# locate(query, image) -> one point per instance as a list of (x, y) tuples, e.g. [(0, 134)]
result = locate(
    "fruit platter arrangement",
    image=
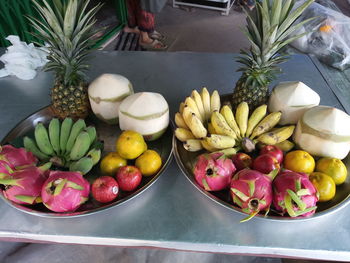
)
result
[(98, 144), (64, 168), (278, 161), (271, 152)]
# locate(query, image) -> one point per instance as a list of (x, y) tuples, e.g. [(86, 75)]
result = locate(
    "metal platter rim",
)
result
[(30, 211), (188, 175)]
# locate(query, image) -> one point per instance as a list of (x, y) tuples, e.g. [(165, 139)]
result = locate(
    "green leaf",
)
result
[(287, 6), (70, 18), (276, 12), (291, 17), (253, 26), (294, 28)]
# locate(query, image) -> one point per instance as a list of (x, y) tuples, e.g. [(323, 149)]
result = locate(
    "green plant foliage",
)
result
[(14, 22)]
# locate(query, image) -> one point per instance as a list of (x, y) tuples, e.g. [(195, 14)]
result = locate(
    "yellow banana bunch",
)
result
[(183, 134), (276, 136), (230, 119), (220, 141), (193, 145), (221, 126), (257, 115), (242, 113), (193, 120), (203, 124)]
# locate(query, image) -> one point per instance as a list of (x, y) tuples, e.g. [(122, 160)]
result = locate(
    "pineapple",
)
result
[(67, 27), (269, 27)]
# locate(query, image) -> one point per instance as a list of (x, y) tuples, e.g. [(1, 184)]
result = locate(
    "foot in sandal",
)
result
[(156, 35), (154, 45), (134, 30)]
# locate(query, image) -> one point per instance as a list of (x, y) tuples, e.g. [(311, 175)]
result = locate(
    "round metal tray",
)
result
[(186, 159), (107, 134)]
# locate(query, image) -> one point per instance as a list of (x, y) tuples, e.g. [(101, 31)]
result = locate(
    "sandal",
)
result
[(155, 45), (156, 35)]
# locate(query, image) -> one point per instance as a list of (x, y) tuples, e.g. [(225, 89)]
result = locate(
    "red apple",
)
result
[(265, 163), (274, 151), (242, 161), (128, 177), (105, 189)]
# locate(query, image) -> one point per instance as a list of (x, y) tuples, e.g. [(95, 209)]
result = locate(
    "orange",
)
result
[(335, 168), (111, 163), (324, 184), (299, 161), (149, 162), (130, 145)]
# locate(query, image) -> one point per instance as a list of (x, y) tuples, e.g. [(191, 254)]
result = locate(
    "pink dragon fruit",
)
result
[(16, 157), (252, 191), (65, 191), (5, 169), (24, 186), (214, 171), (294, 194)]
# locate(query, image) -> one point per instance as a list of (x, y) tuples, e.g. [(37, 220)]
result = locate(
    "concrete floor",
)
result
[(203, 30)]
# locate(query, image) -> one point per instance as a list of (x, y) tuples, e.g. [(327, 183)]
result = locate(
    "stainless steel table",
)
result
[(172, 214)]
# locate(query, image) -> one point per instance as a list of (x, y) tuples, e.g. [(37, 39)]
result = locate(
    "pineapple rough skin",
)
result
[(72, 101)]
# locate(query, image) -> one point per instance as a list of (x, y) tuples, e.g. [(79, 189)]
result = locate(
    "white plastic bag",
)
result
[(22, 59), (328, 36)]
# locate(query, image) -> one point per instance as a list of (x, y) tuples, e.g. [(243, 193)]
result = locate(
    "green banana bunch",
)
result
[(68, 144)]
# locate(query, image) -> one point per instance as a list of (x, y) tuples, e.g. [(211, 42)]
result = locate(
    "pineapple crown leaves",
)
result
[(67, 28), (268, 30)]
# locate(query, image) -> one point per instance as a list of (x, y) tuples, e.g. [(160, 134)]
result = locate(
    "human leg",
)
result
[(145, 22), (132, 6)]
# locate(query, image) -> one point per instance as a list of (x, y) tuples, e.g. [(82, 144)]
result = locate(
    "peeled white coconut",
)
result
[(324, 131), (146, 113), (292, 98), (106, 93)]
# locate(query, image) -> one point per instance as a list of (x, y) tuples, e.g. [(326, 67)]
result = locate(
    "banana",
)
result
[(81, 146), (198, 99), (42, 139), (183, 134), (181, 107), (257, 115), (229, 152), (95, 155), (205, 95), (226, 111), (66, 127), (215, 103), (83, 165), (54, 134), (220, 141), (192, 104), (186, 115), (77, 127), (242, 113), (179, 121), (31, 146), (208, 147), (285, 146), (276, 136), (266, 124), (91, 130), (220, 125), (193, 145), (211, 128), (197, 127)]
